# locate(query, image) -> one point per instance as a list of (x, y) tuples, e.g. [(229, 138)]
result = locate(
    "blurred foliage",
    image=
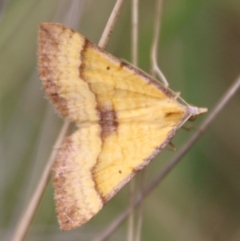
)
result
[(199, 52)]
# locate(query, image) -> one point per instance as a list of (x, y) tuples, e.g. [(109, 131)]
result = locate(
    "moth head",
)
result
[(195, 111)]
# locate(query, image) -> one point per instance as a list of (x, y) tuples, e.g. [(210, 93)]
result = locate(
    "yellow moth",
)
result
[(124, 119)]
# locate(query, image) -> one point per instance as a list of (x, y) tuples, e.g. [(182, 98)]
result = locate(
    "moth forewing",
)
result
[(124, 118)]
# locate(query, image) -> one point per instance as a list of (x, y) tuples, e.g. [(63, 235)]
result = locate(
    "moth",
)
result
[(124, 118)]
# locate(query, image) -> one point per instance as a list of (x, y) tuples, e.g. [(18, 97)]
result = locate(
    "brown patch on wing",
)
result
[(48, 49), (65, 215), (122, 64), (81, 56), (171, 115), (108, 122)]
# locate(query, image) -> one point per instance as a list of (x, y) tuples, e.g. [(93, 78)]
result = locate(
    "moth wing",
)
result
[(124, 118), (90, 170)]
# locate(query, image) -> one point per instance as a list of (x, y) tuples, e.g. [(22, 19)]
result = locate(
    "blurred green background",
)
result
[(199, 52)]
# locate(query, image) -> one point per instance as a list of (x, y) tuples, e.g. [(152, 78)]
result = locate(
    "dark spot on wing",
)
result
[(108, 122)]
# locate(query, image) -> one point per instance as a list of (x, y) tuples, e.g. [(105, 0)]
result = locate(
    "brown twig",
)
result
[(149, 188), (111, 23)]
